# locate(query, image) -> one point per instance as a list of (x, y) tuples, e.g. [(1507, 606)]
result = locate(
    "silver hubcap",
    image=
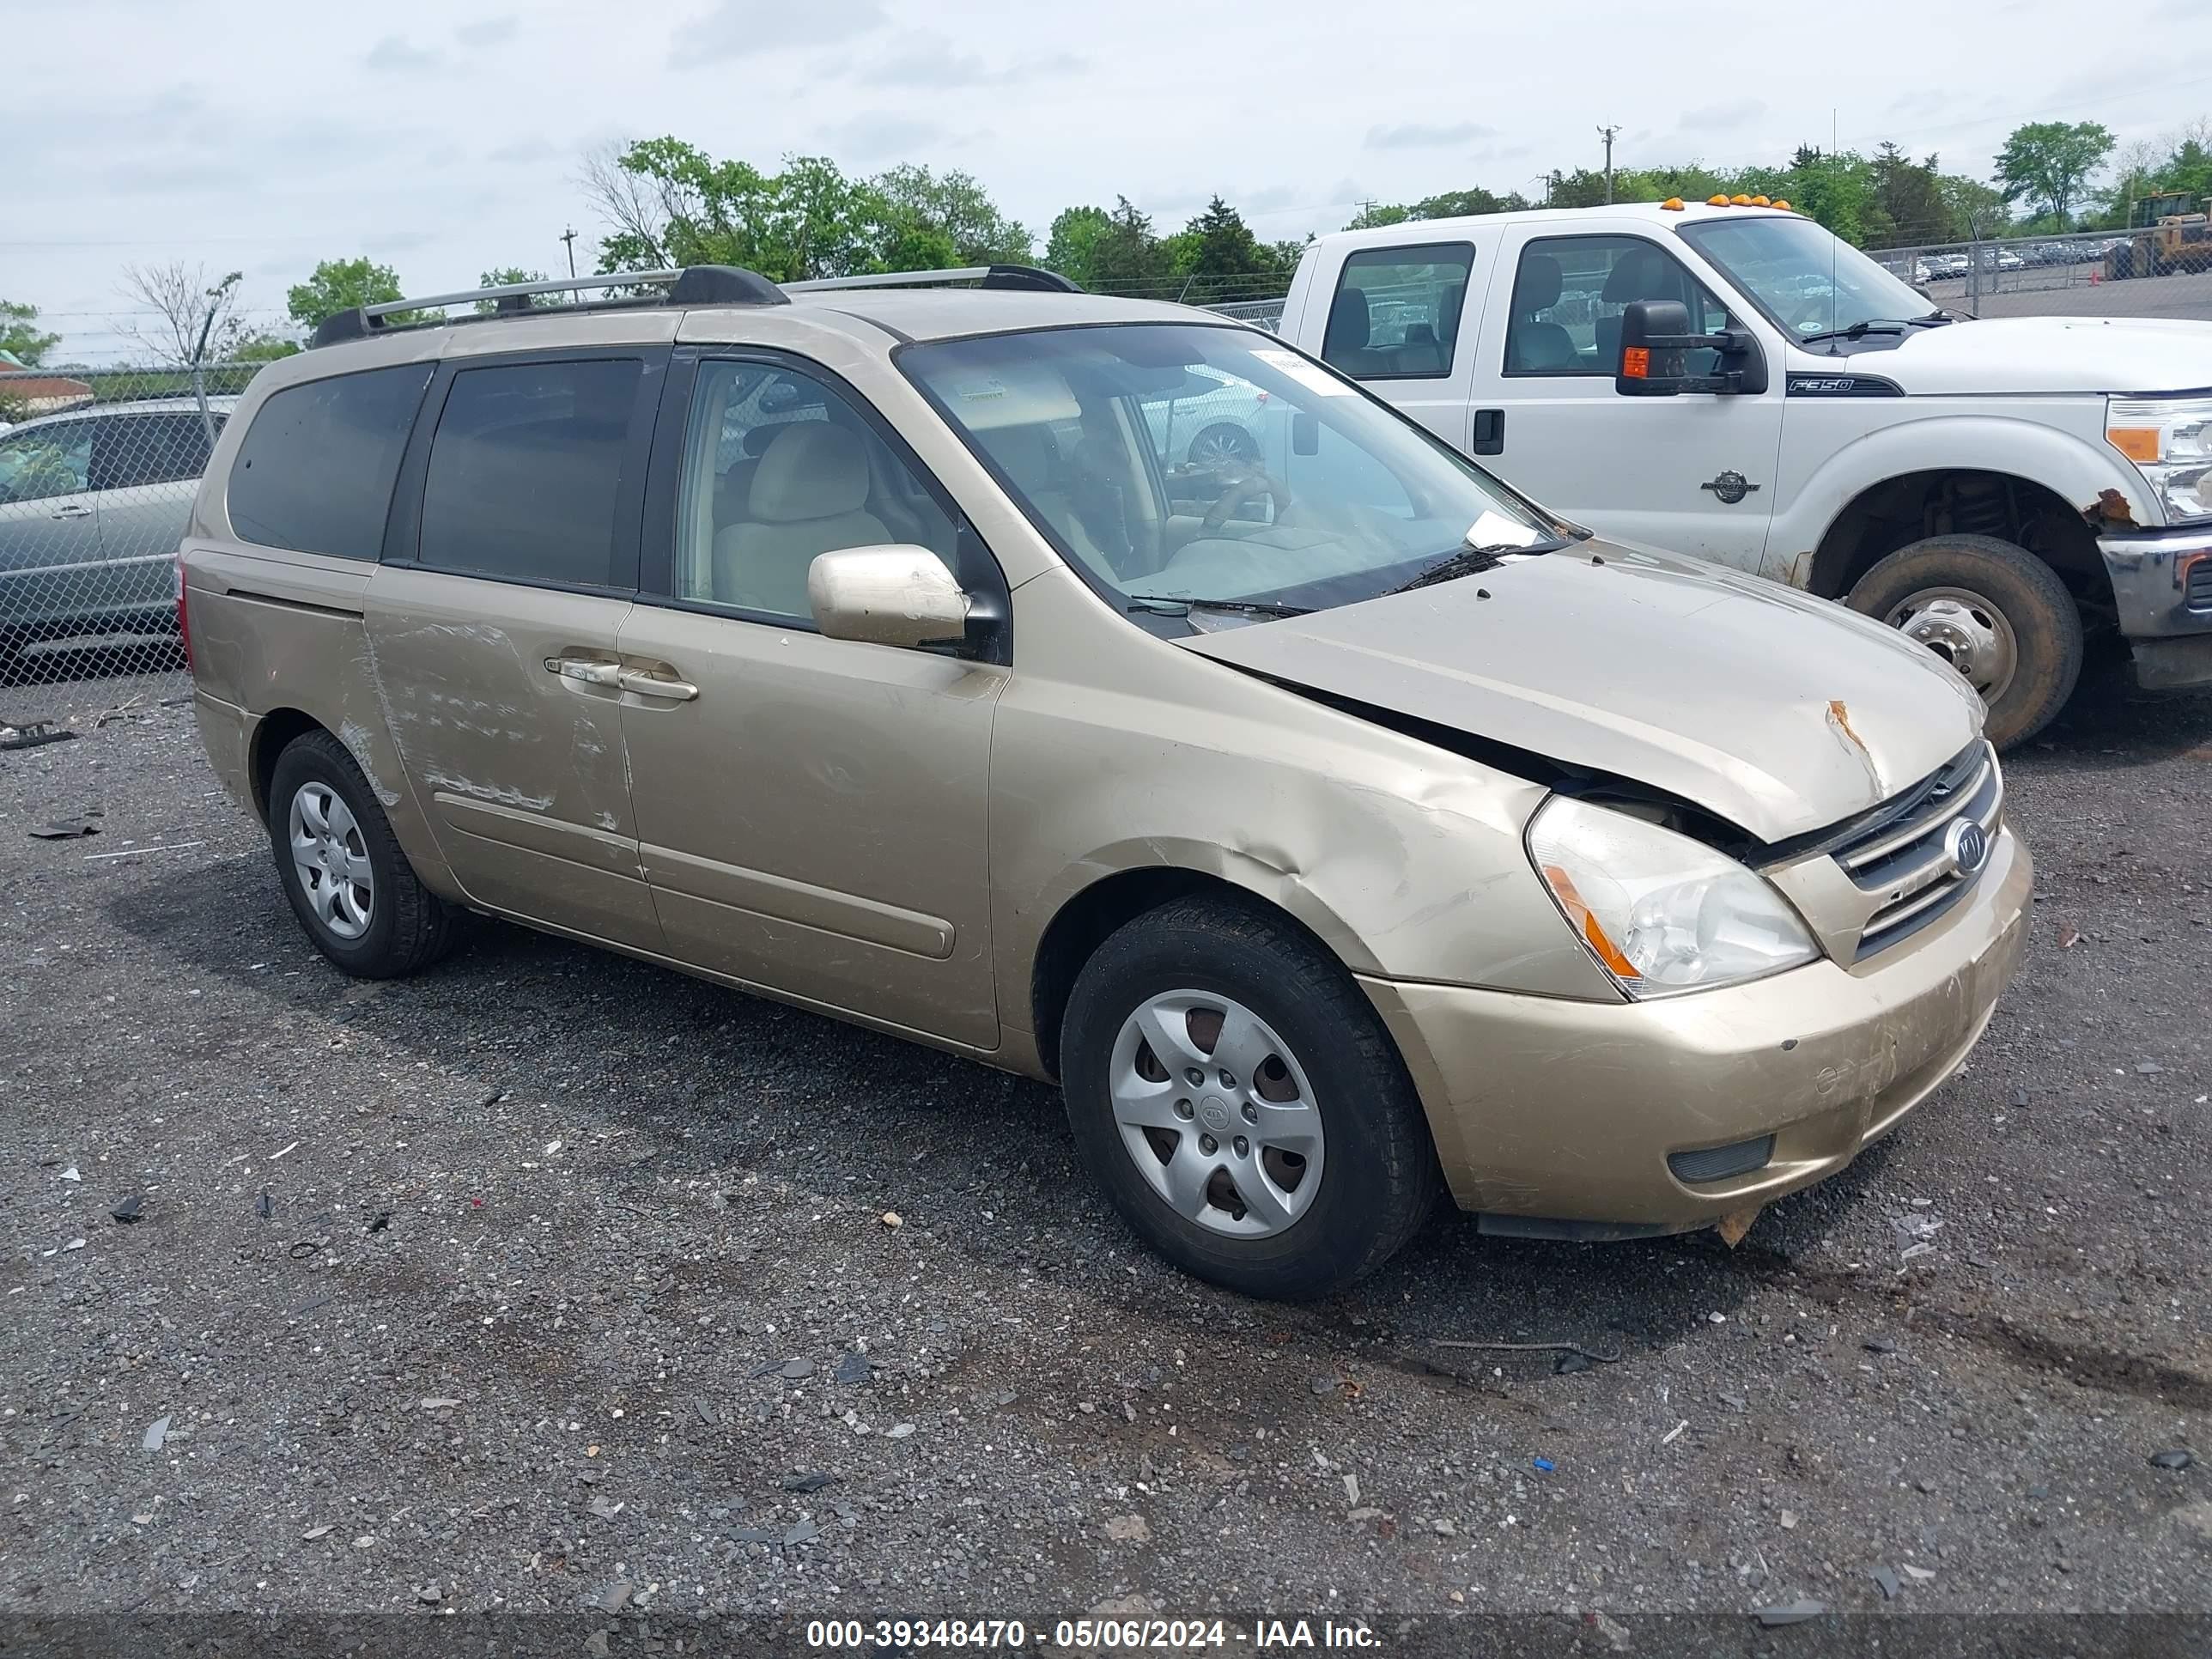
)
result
[(331, 860), (1219, 449), (1217, 1113), (1965, 629)]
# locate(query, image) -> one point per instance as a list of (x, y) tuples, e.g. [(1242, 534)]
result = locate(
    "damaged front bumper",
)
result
[(1594, 1120), (2162, 588)]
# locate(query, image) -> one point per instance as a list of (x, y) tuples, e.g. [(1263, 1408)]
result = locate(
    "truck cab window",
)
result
[(1568, 293), (1396, 310)]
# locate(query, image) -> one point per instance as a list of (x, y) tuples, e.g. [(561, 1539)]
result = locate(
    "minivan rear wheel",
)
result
[(342, 868), (1994, 612), (1241, 1102)]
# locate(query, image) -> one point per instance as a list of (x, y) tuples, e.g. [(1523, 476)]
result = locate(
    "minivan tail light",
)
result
[(184, 623)]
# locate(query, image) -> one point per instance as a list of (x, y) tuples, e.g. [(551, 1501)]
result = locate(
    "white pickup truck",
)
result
[(1987, 486)]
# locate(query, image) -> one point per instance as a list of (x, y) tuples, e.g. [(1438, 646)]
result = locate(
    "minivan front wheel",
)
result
[(1995, 612), (1241, 1104), (348, 882)]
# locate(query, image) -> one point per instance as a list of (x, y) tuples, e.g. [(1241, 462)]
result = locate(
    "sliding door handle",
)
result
[(645, 685), (589, 670)]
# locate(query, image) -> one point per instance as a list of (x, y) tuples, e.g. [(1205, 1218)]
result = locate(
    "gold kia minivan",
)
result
[(1109, 692)]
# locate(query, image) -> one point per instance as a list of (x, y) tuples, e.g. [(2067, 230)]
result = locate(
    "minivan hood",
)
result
[(2037, 354), (1779, 713)]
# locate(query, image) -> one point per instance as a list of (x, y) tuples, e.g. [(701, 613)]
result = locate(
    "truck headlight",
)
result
[(1662, 913), (2169, 441)]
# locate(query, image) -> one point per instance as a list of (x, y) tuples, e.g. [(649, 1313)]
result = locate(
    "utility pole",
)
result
[(569, 237), (1606, 133)]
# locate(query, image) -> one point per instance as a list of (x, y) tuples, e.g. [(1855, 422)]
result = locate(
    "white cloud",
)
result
[(931, 61), (1719, 117), (395, 54), (745, 28), (1416, 135), (488, 31)]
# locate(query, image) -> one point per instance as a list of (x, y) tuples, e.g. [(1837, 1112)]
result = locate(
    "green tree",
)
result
[(1976, 210), (261, 349), (506, 276), (1225, 261), (1908, 204), (1127, 258), (2050, 163), (1073, 240), (20, 335), (343, 285), (953, 203), (1376, 215)]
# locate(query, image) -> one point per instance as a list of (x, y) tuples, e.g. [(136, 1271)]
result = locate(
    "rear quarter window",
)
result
[(525, 471), (315, 470)]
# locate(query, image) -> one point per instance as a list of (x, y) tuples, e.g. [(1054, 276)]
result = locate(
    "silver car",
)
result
[(93, 503)]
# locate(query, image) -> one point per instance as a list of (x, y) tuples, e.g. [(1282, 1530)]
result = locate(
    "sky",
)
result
[(445, 139)]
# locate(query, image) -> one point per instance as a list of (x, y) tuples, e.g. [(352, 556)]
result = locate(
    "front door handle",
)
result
[(645, 685), (74, 510), (1489, 431), (589, 670)]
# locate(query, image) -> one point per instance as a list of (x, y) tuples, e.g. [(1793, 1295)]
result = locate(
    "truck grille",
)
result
[(1910, 864)]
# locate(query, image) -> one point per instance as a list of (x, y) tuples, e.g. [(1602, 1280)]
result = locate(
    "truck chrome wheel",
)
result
[(330, 858), (1216, 1114), (1965, 629)]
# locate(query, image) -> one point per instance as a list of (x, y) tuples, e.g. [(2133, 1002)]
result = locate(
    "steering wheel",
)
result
[(1247, 483)]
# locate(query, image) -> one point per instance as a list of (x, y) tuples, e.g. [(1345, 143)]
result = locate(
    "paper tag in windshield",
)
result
[(1312, 378), (1496, 529), (982, 389)]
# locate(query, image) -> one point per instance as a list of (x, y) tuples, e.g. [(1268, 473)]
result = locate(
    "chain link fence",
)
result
[(97, 471), (2161, 271)]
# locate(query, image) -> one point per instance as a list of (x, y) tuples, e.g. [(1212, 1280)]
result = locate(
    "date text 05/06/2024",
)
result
[(1094, 1635)]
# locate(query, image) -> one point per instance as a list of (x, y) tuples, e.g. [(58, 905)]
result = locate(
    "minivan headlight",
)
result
[(1662, 913), (2169, 441)]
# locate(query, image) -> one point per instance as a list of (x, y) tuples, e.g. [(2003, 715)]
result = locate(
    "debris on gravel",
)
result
[(576, 1384)]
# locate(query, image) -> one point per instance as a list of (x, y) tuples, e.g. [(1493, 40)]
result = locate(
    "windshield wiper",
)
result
[(1161, 605), (1860, 330), (1467, 561)]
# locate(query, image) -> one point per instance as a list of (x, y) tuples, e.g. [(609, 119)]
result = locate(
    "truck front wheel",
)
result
[(1995, 612)]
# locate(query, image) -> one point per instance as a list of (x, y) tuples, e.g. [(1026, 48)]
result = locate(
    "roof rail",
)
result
[(993, 277), (692, 285)]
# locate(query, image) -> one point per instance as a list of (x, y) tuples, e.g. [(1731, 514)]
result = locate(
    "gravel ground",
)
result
[(550, 1281)]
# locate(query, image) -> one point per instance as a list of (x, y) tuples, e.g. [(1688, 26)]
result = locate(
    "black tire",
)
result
[(1378, 1176), (1228, 439), (2034, 605), (408, 927)]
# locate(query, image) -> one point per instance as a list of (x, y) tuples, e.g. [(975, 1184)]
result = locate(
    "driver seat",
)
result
[(1641, 273)]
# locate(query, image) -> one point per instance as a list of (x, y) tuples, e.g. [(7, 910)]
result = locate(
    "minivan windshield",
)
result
[(1179, 464), (1807, 281)]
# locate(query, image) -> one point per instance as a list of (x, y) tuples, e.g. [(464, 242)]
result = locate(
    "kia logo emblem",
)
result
[(1967, 846)]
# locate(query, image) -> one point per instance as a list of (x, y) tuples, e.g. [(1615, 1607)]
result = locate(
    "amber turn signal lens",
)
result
[(1739, 200), (1759, 201), (1780, 204), (1586, 924), (1636, 362), (1716, 201), (2137, 443), (1672, 204)]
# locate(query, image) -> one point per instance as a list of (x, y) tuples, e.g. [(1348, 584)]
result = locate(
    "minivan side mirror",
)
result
[(899, 595), (1655, 334)]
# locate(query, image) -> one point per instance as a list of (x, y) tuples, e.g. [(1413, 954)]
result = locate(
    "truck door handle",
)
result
[(645, 685), (1489, 432), (589, 670), (74, 510)]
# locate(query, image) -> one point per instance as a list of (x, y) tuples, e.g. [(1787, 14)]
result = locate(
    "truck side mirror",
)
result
[(1654, 335), (1305, 433), (1650, 363)]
